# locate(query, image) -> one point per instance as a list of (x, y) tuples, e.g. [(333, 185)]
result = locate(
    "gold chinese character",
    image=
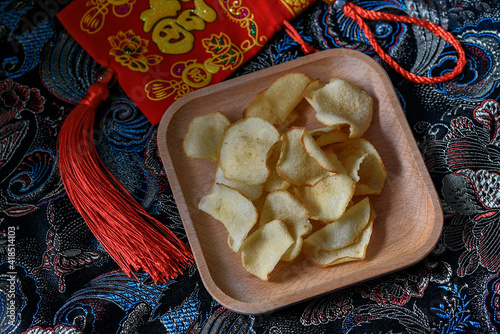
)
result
[(172, 32)]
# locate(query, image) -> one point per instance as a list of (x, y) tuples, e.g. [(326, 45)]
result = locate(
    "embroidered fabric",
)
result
[(56, 278), (162, 50)]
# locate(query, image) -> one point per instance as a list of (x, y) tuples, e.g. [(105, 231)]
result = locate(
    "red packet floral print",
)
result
[(164, 49)]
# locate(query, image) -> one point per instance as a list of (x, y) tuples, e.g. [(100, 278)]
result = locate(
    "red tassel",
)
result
[(132, 238)]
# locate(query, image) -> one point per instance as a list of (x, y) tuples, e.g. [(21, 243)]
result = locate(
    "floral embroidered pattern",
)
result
[(467, 153), (454, 311), (325, 309), (58, 329), (14, 98), (225, 54), (18, 106), (238, 13), (66, 261), (129, 50), (46, 72), (401, 287)]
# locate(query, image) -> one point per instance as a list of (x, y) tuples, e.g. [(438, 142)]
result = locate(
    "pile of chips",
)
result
[(274, 179)]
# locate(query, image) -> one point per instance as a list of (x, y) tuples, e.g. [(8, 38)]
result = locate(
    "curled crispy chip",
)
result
[(328, 198), (343, 231), (302, 162), (244, 150), (204, 134), (251, 191), (263, 249), (352, 252), (369, 170), (335, 160), (292, 117), (233, 209), (285, 93), (259, 107), (328, 135), (372, 172), (351, 158), (311, 88), (280, 204), (341, 103), (259, 202), (275, 181)]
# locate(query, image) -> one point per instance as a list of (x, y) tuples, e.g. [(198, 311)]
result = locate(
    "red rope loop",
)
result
[(358, 14)]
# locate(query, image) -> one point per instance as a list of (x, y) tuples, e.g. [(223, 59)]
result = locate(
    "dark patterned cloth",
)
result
[(56, 278)]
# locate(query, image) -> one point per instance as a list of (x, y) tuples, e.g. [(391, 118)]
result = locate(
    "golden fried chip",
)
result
[(327, 199), (292, 117), (311, 88), (329, 135), (204, 134), (280, 204), (352, 252), (344, 230), (233, 209), (251, 191), (302, 162), (315, 152), (341, 103), (335, 161), (275, 181), (371, 173), (285, 93), (244, 150), (259, 202), (259, 107), (351, 158), (263, 249)]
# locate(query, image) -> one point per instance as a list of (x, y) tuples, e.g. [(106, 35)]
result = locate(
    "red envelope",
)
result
[(164, 49)]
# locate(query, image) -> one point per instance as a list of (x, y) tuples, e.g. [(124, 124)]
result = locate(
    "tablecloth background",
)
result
[(55, 277)]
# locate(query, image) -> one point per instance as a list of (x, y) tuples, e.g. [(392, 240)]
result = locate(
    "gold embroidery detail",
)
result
[(225, 54), (172, 32), (158, 90), (196, 76), (296, 6), (93, 20), (192, 75), (130, 50), (238, 13)]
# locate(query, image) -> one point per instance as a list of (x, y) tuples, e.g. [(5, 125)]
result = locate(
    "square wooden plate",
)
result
[(409, 220)]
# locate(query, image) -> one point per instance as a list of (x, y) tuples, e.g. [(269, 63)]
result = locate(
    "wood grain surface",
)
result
[(409, 220)]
